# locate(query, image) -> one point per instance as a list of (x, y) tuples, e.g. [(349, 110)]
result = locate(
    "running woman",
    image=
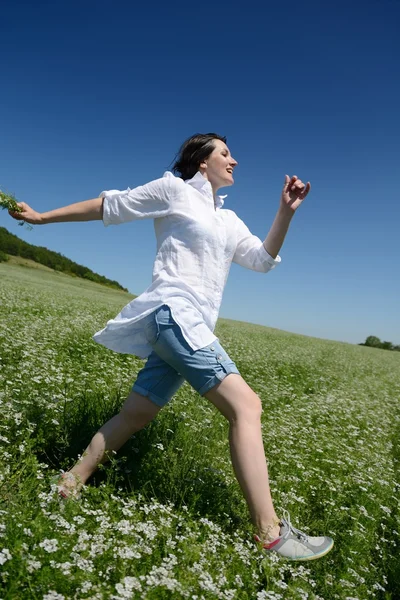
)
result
[(172, 322)]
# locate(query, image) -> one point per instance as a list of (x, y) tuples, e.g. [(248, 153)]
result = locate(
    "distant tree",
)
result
[(387, 346), (3, 257), (373, 341), (89, 275)]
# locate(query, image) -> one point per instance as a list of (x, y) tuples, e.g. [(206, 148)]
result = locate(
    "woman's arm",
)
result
[(276, 236), (293, 193), (88, 210)]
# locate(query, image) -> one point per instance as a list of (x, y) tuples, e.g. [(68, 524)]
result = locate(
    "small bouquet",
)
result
[(9, 202)]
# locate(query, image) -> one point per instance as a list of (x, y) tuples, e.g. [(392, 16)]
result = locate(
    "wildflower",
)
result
[(127, 585), (32, 565), (264, 595), (49, 545), (4, 556), (386, 510), (65, 568), (80, 520), (52, 595), (377, 586), (126, 552), (239, 581), (9, 202)]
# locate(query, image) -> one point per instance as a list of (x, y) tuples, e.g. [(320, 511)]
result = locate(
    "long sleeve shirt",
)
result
[(197, 241)]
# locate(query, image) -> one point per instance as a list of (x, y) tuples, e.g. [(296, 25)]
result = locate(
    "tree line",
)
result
[(11, 244), (375, 342)]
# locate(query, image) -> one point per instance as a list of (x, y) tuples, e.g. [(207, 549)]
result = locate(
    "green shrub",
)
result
[(3, 257)]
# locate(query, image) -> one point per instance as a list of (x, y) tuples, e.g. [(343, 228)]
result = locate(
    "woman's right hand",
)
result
[(27, 214)]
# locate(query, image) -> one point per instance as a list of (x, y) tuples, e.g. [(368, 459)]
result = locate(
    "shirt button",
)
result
[(212, 348), (219, 357)]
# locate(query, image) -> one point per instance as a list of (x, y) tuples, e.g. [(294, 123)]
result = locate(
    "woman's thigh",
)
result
[(139, 409)]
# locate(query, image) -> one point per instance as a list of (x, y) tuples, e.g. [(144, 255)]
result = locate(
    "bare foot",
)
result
[(69, 485)]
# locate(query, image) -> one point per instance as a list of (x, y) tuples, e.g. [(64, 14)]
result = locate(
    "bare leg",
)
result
[(242, 407), (136, 412)]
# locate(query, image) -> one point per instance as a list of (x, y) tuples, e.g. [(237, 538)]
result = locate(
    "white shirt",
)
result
[(197, 241)]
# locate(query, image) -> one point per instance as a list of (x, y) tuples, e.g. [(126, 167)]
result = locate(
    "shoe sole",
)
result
[(308, 558)]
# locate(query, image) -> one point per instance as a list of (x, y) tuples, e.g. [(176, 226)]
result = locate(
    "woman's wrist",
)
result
[(285, 212), (43, 219)]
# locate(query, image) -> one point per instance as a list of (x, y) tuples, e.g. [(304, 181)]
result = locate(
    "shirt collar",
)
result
[(202, 184)]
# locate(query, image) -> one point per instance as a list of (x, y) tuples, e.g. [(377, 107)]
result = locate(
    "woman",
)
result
[(172, 322)]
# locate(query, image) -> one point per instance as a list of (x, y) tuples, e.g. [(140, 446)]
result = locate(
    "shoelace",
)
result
[(300, 534)]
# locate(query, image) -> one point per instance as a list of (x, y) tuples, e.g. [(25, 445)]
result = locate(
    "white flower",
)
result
[(4, 556), (126, 552), (377, 586), (238, 581), (386, 510), (52, 595), (126, 587), (79, 520), (264, 595), (49, 545), (65, 568), (32, 565)]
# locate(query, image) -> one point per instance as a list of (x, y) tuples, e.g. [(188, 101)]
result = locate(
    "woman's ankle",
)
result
[(80, 476), (269, 531)]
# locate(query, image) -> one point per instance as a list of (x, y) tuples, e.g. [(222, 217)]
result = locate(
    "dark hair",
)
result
[(193, 151)]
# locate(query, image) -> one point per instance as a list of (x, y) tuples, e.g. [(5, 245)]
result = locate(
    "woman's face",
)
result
[(218, 167)]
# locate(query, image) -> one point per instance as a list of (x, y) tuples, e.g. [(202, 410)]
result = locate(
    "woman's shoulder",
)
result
[(172, 182), (172, 179)]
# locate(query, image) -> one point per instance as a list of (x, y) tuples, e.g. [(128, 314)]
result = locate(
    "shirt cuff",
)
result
[(106, 208), (272, 261)]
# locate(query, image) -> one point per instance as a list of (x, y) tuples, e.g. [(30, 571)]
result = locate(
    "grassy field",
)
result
[(166, 518)]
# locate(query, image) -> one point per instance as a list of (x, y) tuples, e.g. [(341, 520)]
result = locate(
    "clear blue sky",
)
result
[(99, 95)]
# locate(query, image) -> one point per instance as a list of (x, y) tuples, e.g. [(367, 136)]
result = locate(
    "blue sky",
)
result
[(100, 95)]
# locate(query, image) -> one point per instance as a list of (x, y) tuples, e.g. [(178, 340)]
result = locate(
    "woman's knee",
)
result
[(250, 411), (235, 399), (139, 409)]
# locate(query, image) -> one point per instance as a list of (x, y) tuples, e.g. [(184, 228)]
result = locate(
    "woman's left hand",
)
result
[(293, 193)]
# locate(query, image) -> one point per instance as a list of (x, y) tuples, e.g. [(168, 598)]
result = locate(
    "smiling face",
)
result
[(218, 167)]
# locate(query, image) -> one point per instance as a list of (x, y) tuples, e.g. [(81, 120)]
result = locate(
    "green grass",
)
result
[(166, 519)]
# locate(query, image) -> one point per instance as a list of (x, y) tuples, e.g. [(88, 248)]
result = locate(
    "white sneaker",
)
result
[(296, 545)]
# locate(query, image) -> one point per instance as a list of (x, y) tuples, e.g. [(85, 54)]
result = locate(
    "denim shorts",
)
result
[(173, 361)]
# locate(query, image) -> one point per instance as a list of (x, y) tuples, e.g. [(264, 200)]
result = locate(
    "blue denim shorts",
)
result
[(173, 361)]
